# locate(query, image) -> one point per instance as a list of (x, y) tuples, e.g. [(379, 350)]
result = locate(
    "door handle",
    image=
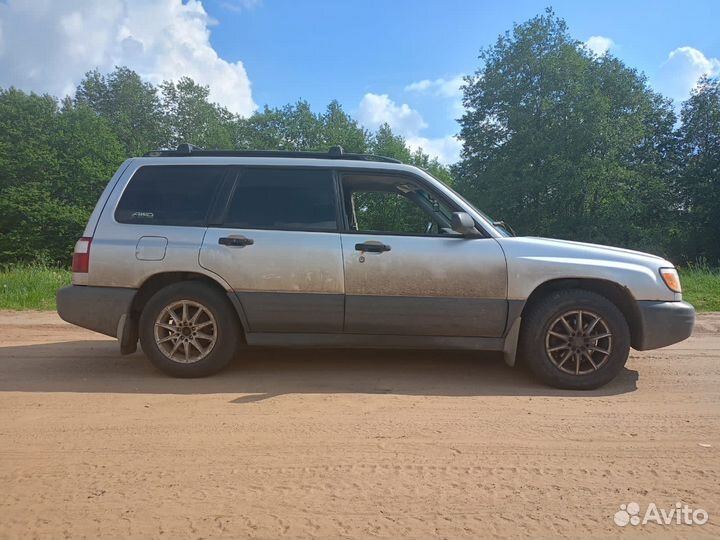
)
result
[(235, 241), (372, 247)]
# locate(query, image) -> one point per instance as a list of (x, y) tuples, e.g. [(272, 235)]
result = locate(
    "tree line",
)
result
[(556, 141)]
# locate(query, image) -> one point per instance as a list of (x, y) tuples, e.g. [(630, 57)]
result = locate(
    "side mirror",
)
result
[(462, 223)]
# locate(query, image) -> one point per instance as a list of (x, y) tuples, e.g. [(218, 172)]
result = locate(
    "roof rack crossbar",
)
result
[(336, 152)]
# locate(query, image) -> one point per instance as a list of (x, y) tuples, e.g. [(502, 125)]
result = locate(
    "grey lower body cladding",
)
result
[(425, 316), (299, 312), (664, 323), (96, 308)]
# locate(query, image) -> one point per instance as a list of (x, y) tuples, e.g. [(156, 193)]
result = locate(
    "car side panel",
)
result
[(116, 262), (534, 261), (117, 253), (287, 281), (440, 286)]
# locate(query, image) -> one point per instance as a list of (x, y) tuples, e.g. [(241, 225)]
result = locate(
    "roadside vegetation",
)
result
[(701, 287), (33, 286)]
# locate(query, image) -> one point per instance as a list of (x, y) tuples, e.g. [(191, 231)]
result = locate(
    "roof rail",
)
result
[(335, 152)]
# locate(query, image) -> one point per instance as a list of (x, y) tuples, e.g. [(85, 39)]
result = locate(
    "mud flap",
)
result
[(127, 334), (511, 343)]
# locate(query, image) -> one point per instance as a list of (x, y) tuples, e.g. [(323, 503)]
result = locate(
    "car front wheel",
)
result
[(575, 339)]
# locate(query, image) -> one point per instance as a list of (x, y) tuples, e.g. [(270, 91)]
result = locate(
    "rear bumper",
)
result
[(96, 308), (664, 323)]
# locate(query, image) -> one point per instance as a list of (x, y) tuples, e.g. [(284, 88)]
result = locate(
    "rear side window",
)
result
[(170, 195), (283, 199)]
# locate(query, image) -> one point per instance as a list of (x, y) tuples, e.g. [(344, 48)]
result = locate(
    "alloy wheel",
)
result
[(578, 342), (185, 331)]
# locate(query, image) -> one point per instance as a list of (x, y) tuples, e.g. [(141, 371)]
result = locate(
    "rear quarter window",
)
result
[(178, 195)]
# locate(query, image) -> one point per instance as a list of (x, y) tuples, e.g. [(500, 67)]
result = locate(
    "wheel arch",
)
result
[(614, 292), (155, 283)]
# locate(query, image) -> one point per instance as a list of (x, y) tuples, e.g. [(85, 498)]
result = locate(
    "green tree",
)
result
[(27, 132), (130, 106), (88, 154), (700, 179), (190, 117), (37, 226), (293, 127), (563, 143), (386, 143), (261, 131), (53, 166), (338, 128)]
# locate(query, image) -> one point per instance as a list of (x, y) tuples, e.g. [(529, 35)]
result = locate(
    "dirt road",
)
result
[(290, 444)]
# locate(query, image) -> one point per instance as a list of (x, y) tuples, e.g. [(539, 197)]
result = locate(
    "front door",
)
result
[(407, 272), (278, 247)]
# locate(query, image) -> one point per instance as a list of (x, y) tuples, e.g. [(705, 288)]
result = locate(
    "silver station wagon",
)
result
[(195, 253)]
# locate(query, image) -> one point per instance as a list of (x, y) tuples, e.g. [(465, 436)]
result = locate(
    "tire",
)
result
[(546, 341), (207, 344)]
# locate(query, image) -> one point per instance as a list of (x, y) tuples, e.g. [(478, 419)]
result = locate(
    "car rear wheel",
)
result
[(189, 329), (575, 339)]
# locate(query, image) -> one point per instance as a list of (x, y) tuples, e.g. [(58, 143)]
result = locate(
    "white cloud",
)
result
[(241, 5), (377, 109), (47, 46), (599, 45), (419, 86), (443, 88), (680, 72), (448, 88), (445, 149)]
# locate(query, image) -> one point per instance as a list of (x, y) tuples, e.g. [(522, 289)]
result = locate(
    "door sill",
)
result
[(373, 341)]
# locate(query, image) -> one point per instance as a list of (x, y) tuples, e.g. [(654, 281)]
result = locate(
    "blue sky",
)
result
[(322, 50), (397, 61)]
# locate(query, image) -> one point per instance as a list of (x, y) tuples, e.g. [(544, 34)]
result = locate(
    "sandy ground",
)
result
[(308, 444)]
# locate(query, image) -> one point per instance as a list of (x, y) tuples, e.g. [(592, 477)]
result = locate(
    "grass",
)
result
[(34, 286), (31, 286), (701, 287)]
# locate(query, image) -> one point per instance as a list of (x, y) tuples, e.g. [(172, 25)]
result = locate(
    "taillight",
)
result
[(81, 256)]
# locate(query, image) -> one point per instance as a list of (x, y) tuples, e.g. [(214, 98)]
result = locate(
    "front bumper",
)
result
[(97, 308), (664, 323)]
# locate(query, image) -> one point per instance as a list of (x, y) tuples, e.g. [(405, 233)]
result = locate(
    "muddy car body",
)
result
[(195, 252)]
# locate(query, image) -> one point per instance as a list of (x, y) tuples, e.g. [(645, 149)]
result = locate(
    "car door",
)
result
[(406, 272), (278, 246)]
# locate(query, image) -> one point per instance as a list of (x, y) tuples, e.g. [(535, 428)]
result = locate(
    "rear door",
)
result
[(278, 246), (407, 272)]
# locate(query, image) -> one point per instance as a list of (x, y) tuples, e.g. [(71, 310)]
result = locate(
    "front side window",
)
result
[(388, 212), (289, 199), (393, 204), (170, 195)]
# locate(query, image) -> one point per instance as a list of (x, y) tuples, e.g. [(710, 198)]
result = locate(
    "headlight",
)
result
[(671, 279)]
